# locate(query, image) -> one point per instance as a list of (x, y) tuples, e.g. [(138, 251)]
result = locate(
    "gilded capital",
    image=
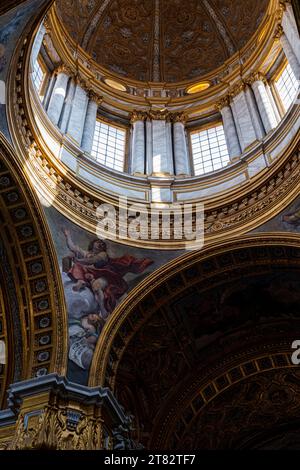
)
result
[(178, 117), (63, 68), (223, 102), (237, 89), (93, 96), (137, 115), (159, 115), (279, 32), (256, 77)]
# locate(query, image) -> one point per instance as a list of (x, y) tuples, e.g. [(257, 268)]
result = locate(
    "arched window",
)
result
[(109, 145), (209, 149), (287, 86)]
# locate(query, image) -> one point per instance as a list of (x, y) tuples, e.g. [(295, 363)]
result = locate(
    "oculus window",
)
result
[(209, 150), (109, 145), (287, 86)]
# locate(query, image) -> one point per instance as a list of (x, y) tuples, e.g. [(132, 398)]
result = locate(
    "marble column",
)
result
[(290, 29), (170, 151), (289, 52), (90, 121), (181, 155), (230, 131), (58, 95), (49, 91), (138, 154), (161, 156), (254, 112), (149, 147), (78, 112), (38, 43), (63, 124), (242, 117), (258, 84)]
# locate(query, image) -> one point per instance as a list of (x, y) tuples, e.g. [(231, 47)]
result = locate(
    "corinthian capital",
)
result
[(223, 102), (138, 115), (178, 117), (256, 77), (159, 115), (63, 68), (93, 96), (237, 89)]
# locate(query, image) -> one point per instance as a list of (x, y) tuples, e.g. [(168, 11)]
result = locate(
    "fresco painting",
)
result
[(97, 276)]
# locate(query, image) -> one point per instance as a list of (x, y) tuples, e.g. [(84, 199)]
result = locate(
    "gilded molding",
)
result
[(279, 32), (52, 430)]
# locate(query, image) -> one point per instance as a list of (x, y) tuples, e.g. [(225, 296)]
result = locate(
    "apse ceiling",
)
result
[(161, 40)]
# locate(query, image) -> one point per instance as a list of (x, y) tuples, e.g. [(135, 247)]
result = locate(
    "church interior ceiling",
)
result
[(195, 346), (209, 333), (160, 33)]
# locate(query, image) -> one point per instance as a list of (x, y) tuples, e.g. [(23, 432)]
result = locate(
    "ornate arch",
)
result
[(34, 314), (149, 341)]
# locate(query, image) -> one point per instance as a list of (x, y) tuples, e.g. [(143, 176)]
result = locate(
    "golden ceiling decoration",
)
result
[(161, 40)]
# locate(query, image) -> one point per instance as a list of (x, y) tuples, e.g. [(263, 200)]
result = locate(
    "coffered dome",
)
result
[(161, 40)]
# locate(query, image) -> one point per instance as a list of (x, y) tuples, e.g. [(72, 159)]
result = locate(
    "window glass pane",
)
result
[(209, 150), (38, 76), (287, 87), (109, 146)]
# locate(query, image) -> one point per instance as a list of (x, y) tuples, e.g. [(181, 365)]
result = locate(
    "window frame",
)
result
[(197, 130), (117, 126), (279, 102), (43, 88)]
